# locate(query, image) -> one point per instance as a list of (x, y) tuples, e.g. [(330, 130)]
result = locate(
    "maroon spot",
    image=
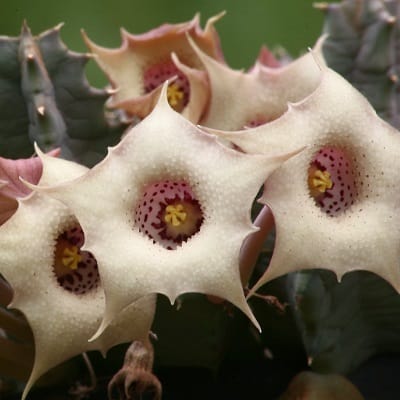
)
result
[(150, 219), (344, 189), (75, 280)]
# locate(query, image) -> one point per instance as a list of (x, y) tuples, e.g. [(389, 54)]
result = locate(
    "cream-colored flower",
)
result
[(167, 211), (56, 284), (247, 99), (144, 62), (335, 205)]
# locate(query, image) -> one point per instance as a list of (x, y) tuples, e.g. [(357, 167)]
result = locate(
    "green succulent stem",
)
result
[(46, 125), (47, 99), (362, 45)]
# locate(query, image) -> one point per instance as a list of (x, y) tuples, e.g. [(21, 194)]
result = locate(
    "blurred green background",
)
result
[(294, 24)]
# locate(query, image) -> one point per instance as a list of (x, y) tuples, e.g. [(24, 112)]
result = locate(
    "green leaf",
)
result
[(362, 45)]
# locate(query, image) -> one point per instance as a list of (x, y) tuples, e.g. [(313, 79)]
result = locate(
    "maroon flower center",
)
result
[(76, 270), (331, 180), (168, 213), (178, 90)]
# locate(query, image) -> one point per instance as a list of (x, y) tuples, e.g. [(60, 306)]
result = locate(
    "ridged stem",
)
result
[(253, 244)]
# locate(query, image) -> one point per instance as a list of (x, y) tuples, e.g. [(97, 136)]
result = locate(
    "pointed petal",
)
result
[(10, 170), (11, 186), (143, 62), (142, 106), (334, 121), (166, 149), (241, 99), (198, 83), (61, 321)]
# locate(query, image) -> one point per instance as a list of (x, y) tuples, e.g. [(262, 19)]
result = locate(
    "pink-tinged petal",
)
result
[(143, 63), (11, 187), (208, 38), (247, 99), (30, 169), (172, 210), (185, 80), (267, 58), (198, 84), (335, 205), (56, 282)]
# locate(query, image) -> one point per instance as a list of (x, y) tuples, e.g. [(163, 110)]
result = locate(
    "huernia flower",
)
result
[(335, 205), (55, 282), (247, 99), (172, 209), (144, 62)]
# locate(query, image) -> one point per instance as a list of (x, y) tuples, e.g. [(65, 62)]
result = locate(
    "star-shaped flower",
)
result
[(144, 62), (167, 211), (248, 99), (56, 284), (335, 205)]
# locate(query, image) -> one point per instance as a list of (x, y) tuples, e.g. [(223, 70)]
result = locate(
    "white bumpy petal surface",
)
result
[(61, 321), (165, 146), (245, 99), (365, 235)]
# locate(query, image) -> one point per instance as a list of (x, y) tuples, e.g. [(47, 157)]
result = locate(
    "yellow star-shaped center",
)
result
[(71, 257), (320, 181), (175, 95), (175, 214)]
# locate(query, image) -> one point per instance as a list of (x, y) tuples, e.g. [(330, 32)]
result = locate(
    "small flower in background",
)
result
[(144, 62), (171, 212), (248, 99), (335, 204), (55, 281)]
